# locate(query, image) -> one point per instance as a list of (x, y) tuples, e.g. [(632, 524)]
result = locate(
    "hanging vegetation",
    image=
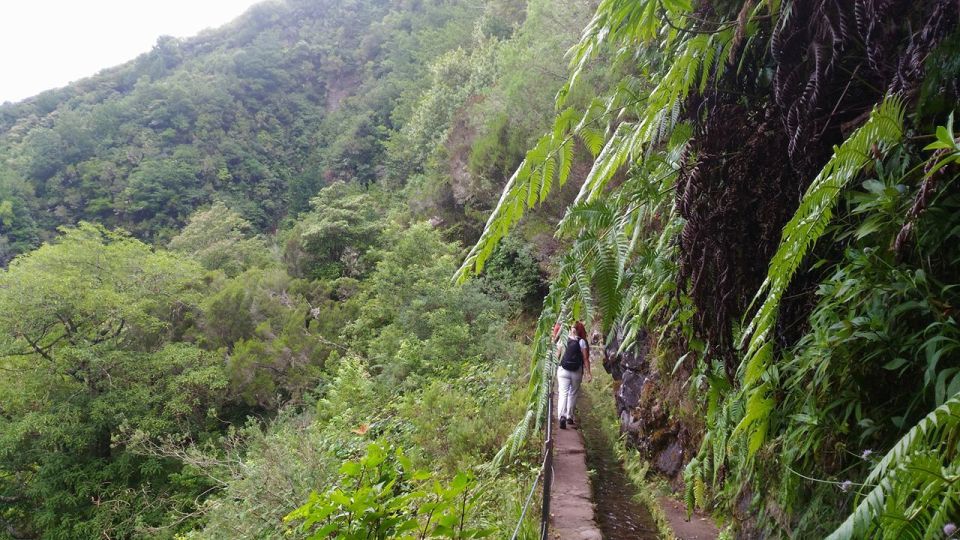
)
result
[(762, 208)]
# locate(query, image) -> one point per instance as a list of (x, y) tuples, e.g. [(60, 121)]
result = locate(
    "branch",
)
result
[(106, 336), (71, 328), (44, 352)]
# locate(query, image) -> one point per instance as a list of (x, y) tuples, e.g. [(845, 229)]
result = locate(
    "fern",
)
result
[(916, 486), (625, 21), (614, 154), (541, 366), (700, 492), (530, 184), (689, 495), (621, 265), (882, 130), (514, 441)]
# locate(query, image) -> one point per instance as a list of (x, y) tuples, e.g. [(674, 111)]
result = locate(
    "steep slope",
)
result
[(268, 322), (258, 114)]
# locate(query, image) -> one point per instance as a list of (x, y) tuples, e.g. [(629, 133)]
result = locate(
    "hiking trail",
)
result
[(572, 508), (593, 499)]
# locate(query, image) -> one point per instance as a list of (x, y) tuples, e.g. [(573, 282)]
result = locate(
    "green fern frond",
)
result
[(882, 130), (613, 155), (625, 22), (582, 294), (541, 366), (608, 278), (593, 216), (514, 441), (546, 179), (921, 469), (536, 186), (689, 497), (755, 422), (592, 139), (566, 162), (700, 492)]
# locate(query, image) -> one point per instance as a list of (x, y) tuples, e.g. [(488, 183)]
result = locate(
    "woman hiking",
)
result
[(574, 361)]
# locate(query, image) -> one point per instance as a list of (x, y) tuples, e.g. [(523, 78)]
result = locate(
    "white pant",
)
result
[(568, 385)]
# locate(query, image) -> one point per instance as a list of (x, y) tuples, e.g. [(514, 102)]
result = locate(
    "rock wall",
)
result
[(640, 395)]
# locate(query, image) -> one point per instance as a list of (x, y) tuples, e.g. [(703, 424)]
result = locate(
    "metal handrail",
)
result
[(547, 465), (546, 470), (526, 505)]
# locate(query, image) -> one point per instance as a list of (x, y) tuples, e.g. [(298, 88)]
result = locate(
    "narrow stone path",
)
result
[(575, 516), (571, 504)]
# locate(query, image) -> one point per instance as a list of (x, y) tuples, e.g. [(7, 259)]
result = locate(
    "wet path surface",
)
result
[(572, 512), (618, 515)]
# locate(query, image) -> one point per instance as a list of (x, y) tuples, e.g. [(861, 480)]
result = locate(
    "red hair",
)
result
[(581, 330)]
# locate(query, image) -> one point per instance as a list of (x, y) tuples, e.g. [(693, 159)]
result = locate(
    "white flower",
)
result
[(845, 486)]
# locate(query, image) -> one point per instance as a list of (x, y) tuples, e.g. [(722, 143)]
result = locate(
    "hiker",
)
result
[(574, 361)]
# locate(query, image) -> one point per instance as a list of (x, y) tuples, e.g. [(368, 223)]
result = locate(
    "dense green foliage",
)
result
[(383, 496), (768, 222), (227, 273), (259, 114), (127, 366), (226, 308), (87, 350)]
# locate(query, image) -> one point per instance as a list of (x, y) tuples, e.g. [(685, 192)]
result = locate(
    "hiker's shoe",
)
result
[(570, 421), (563, 423)]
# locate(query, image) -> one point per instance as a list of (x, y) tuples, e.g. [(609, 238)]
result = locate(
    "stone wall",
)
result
[(643, 411)]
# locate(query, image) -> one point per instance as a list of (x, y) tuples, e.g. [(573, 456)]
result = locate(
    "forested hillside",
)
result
[(228, 272), (263, 112), (238, 297)]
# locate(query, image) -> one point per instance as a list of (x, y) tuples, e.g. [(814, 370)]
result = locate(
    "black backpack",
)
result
[(572, 357)]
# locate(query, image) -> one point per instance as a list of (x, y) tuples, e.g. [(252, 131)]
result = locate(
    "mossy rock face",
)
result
[(670, 460), (640, 395), (631, 388)]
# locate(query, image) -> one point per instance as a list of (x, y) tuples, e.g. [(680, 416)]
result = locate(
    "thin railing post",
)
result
[(547, 467)]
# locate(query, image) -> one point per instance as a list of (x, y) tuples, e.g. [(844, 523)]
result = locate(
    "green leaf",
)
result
[(895, 364), (351, 468)]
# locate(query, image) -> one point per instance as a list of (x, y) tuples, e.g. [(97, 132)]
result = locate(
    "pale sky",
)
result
[(48, 43)]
